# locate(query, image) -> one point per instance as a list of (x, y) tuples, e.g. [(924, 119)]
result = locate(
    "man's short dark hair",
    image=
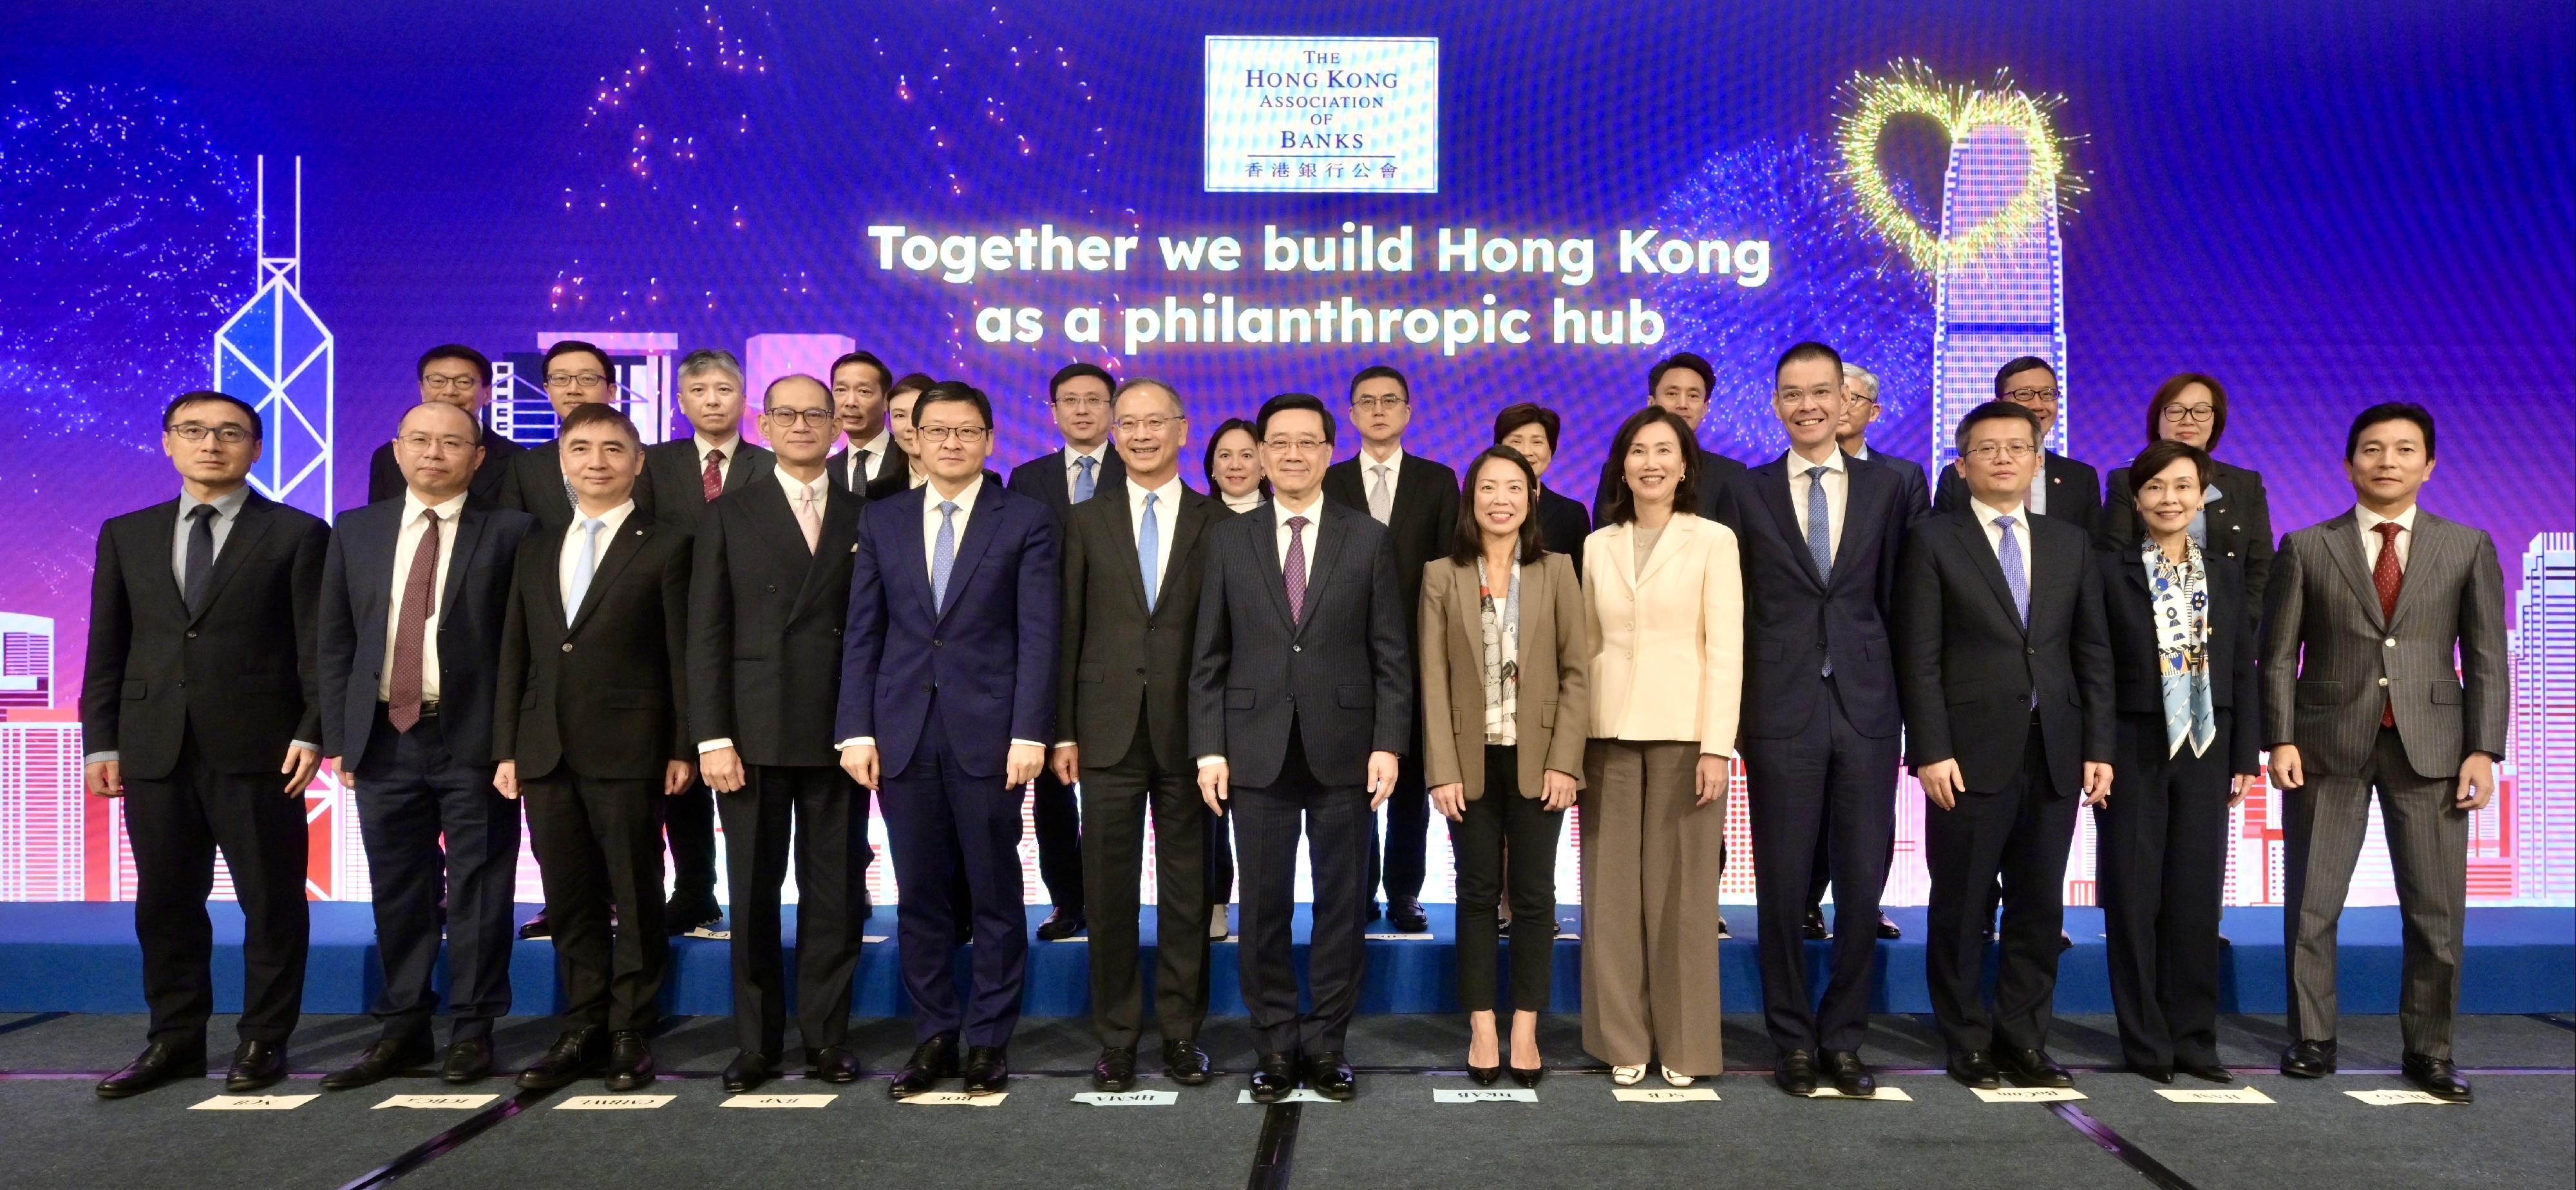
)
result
[(1807, 351), (1528, 413), (1285, 402), (1380, 372), (910, 382), (953, 390), (885, 375), (2018, 365), (1689, 361), (170, 412), (2389, 411), (1076, 371), (607, 367), (1994, 411), (2163, 453), (601, 412), (482, 365)]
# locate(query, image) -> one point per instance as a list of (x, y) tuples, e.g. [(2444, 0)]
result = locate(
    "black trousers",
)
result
[(1826, 781), (1115, 801), (2163, 867), (1056, 816), (689, 821), (826, 815), (599, 847), (1335, 820), (1506, 845), (436, 830), (176, 825), (2020, 833), (1399, 862), (942, 821)]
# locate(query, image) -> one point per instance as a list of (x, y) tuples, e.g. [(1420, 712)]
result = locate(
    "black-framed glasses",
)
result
[(940, 435), (2031, 396), (1987, 451), (1380, 401), (451, 442), (818, 418), (2197, 414), (1145, 425), (576, 379)]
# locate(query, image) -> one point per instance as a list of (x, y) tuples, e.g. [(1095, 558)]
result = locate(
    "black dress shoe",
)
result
[(1975, 1069), (256, 1064), (536, 928), (748, 1070), (468, 1060), (1796, 1072), (1722, 931), (2154, 1074), (1814, 926), (160, 1062), (832, 1064), (2437, 1077), (1851, 1076), (1116, 1069), (2208, 1072), (578, 1052), (1273, 1078), (1407, 917), (630, 1061), (932, 1061), (689, 917), (1887, 928), (1185, 1062), (2065, 941), (383, 1060), (1329, 1076), (988, 1069), (1063, 924), (2033, 1068), (2309, 1059)]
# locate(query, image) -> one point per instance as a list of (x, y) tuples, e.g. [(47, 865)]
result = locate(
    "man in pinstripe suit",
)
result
[(2366, 613)]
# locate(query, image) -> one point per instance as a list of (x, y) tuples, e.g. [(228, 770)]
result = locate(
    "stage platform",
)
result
[(82, 957)]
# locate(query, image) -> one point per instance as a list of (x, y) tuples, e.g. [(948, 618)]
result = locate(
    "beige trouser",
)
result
[(1650, 870)]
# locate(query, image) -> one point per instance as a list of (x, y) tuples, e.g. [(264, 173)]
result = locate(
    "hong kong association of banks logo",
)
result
[(1323, 114)]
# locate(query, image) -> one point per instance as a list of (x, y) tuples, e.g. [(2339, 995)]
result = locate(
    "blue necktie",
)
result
[(1082, 483), (943, 556), (1820, 537), (1149, 541), (584, 566), (2009, 552)]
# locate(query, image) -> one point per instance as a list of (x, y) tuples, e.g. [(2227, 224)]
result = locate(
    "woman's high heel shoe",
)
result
[(1529, 1078), (1627, 1076), (1676, 1077), (1485, 1076)]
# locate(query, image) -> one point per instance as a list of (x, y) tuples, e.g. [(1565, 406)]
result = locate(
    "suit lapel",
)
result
[(748, 463), (612, 562), (469, 530), (1666, 546), (1773, 483), (1126, 539), (1192, 521), (2427, 556), (982, 526), (2342, 543), (249, 525), (1860, 502), (1273, 568), (1327, 554), (1971, 535)]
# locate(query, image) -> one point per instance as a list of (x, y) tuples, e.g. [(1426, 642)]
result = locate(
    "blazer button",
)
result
[(937, 643), (192, 635), (773, 588), (2032, 652), (2391, 642), (2383, 681), (567, 646), (1296, 648)]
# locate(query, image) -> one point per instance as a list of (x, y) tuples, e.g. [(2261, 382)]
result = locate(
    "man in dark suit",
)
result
[(860, 384), (591, 659), (1679, 384), (2361, 693), (1563, 522), (680, 479), (1301, 691), (215, 588), (1417, 500), (2061, 487), (2005, 670), (451, 374), (1078, 396), (1132, 563), (414, 593), (948, 693), (575, 373), (1819, 533), (769, 589)]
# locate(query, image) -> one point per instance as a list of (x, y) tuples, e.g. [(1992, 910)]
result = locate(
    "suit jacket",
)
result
[(606, 696), (1715, 470), (249, 653), (987, 658), (385, 480), (1045, 480), (766, 622), (894, 463), (1342, 676), (1424, 517), (1120, 660), (2074, 491), (2329, 657), (674, 477), (359, 590), (1563, 523), (1968, 669), (1916, 492), (2128, 613), (2239, 524), (1668, 641), (1552, 714), (1795, 619), (535, 485)]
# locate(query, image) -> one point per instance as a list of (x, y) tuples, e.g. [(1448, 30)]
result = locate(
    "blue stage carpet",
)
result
[(82, 958)]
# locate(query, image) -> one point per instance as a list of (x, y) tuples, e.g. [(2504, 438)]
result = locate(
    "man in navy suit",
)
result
[(947, 699), (414, 593)]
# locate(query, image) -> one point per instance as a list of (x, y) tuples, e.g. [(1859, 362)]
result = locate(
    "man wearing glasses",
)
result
[(1078, 395), (201, 708), (576, 373), (450, 374), (2061, 487)]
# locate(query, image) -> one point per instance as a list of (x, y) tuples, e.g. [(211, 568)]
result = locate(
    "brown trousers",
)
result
[(1650, 868)]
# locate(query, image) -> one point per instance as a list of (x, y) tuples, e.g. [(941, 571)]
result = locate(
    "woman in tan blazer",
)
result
[(1505, 647), (1666, 596)]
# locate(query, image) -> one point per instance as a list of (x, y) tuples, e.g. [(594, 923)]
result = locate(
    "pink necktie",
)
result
[(809, 519)]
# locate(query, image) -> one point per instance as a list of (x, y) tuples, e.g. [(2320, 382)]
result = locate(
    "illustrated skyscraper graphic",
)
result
[(26, 660), (277, 355), (2002, 303), (42, 810), (2539, 813)]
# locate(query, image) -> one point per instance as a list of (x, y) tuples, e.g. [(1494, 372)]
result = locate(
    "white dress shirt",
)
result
[(871, 457), (1837, 496), (2039, 488), (415, 522), (575, 539), (1167, 509), (2369, 522), (724, 467), (965, 500), (1280, 512), (1986, 515)]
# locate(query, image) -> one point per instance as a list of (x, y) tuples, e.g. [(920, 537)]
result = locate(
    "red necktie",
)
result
[(2385, 575), (419, 598), (711, 482)]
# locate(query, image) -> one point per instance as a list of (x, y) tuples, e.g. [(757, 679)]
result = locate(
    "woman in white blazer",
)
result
[(1666, 595)]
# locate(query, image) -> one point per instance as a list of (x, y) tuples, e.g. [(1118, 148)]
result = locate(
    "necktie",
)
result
[(2009, 553), (1149, 541), (201, 557), (809, 518), (943, 556), (711, 481), (583, 566), (1820, 537), (1381, 493), (2385, 575), (1082, 485), (419, 599), (1294, 572)]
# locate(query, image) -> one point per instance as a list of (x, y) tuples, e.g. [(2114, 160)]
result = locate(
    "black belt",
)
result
[(428, 710)]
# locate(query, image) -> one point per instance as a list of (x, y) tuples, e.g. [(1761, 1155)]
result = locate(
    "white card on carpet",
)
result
[(1300, 1095), (1129, 1098), (253, 1103), (2027, 1094), (439, 1102), (956, 1099), (1891, 1094), (872, 939), (1422, 937), (614, 1102), (1484, 1095), (1663, 1094), (779, 1101), (2228, 1095), (2397, 1098)]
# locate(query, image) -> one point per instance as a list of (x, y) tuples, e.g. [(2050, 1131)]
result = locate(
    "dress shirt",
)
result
[(2038, 488), (796, 489), (1986, 515), (575, 539), (870, 458), (965, 500), (415, 522), (1280, 512), (2368, 523), (227, 508), (1837, 495), (1394, 464), (724, 470)]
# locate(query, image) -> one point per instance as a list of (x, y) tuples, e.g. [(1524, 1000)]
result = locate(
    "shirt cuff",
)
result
[(1031, 743), (706, 746), (99, 757), (308, 746), (1064, 743), (856, 740), (1211, 758)]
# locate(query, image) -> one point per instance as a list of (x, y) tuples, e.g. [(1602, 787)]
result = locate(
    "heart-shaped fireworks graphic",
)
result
[(1912, 89)]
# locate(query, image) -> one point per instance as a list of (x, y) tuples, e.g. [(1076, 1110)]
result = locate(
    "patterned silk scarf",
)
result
[(1502, 625), (2181, 607)]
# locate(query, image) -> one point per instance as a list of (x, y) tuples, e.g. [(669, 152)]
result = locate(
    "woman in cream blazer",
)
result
[(1666, 595)]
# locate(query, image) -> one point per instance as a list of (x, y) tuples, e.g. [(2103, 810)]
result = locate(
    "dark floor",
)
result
[(2521, 1132)]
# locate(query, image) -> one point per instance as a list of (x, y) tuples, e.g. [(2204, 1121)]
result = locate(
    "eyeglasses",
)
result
[(1985, 452), (575, 379), (1079, 404), (192, 432), (1145, 425), (1791, 396), (818, 418), (440, 384), (1389, 401), (2031, 396), (1295, 445), (450, 442), (941, 435), (2190, 413)]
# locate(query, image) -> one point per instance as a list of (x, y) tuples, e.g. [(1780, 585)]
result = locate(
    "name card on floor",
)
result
[(1422, 937), (872, 938), (1129, 1098), (1890, 1094), (1663, 1095), (2398, 1098), (779, 1101), (614, 1102), (2026, 1094), (439, 1102), (1484, 1095), (1300, 1095), (253, 1103), (2229, 1095), (956, 1098)]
